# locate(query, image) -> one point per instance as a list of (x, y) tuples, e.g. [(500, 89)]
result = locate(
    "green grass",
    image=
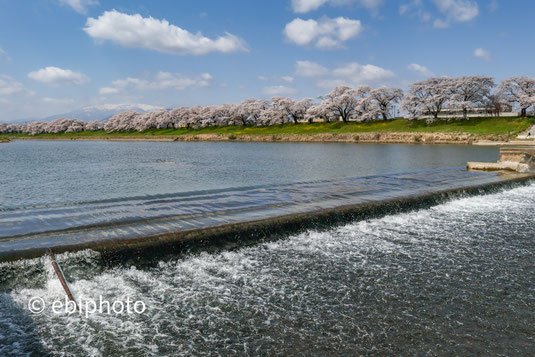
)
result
[(476, 126)]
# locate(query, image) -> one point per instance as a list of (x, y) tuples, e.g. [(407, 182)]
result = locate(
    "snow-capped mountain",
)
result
[(97, 112)]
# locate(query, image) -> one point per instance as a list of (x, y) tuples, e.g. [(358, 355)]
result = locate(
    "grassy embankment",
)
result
[(509, 127)]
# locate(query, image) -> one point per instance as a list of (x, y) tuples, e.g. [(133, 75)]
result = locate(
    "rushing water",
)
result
[(454, 279)]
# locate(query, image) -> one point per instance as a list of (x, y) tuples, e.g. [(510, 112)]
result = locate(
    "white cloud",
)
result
[(80, 6), (483, 54), (9, 86), (4, 56), (304, 6), (415, 9), (288, 79), (362, 74), (453, 10), (422, 70), (440, 24), (310, 69), (57, 76), (49, 100), (331, 83), (323, 33), (493, 6), (405, 8), (351, 73), (108, 90), (159, 35), (456, 10), (160, 81), (278, 90)]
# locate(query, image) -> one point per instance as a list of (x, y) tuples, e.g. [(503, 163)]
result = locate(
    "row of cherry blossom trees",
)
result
[(431, 96), (428, 97)]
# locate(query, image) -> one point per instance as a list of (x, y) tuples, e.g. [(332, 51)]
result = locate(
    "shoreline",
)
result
[(366, 137)]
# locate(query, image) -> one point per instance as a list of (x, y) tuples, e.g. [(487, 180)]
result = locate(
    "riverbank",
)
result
[(473, 131), (371, 138)]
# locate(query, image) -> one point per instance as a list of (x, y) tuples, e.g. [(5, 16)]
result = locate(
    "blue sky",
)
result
[(60, 55)]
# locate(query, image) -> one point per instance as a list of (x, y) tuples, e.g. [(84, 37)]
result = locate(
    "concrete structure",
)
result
[(511, 159), (255, 213)]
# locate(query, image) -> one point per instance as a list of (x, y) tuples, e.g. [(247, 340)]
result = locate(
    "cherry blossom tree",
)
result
[(294, 109), (249, 111), (63, 125), (124, 121), (180, 117), (342, 102), (468, 91), (93, 125), (432, 94), (14, 128), (75, 126), (412, 105), (494, 104), (520, 91), (318, 111), (385, 98), (366, 108), (35, 128)]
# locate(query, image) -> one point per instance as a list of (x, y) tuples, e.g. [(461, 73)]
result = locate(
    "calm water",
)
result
[(454, 279), (44, 172)]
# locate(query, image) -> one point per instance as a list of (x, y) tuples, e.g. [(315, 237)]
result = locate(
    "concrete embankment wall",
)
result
[(371, 137)]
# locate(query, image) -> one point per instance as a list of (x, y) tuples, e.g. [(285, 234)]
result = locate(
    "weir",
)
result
[(167, 222)]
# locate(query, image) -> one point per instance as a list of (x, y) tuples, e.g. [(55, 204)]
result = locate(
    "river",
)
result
[(452, 279)]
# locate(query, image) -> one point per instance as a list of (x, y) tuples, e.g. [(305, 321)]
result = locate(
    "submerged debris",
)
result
[(166, 162)]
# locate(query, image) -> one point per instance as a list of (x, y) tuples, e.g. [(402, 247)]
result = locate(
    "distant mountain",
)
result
[(97, 112)]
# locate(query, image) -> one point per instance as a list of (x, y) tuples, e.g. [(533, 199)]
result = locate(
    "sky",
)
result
[(61, 55)]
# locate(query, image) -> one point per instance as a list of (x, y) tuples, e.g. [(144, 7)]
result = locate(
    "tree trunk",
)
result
[(465, 113), (523, 112), (384, 116)]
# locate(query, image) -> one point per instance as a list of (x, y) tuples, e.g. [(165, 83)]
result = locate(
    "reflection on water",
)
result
[(454, 279), (44, 172)]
